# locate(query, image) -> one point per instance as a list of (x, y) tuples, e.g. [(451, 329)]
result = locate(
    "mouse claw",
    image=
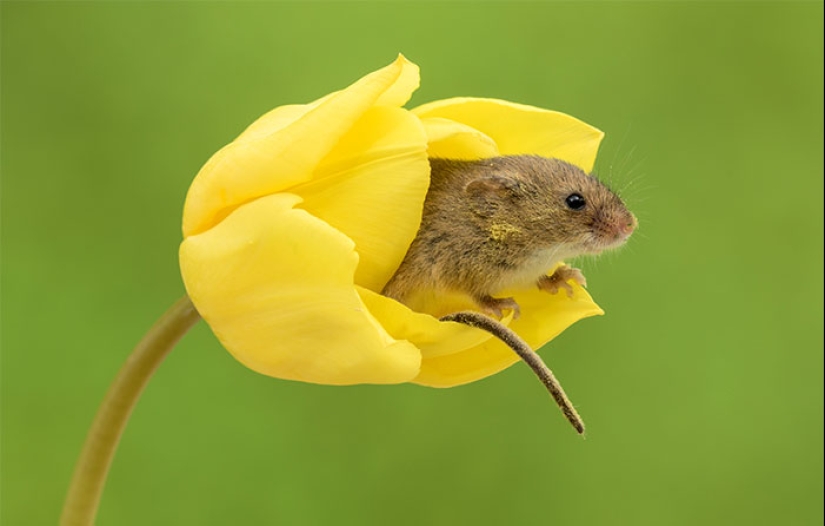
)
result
[(561, 279), (494, 306)]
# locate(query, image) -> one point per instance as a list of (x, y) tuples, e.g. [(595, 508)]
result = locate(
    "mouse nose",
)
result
[(625, 225), (630, 225)]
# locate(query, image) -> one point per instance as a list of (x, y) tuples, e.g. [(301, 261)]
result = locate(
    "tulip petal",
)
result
[(520, 129), (276, 286), (453, 140), (264, 163), (400, 91), (455, 354), (275, 120), (372, 187), (434, 338), (544, 316)]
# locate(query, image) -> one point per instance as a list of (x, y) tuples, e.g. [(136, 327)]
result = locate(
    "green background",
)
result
[(702, 387)]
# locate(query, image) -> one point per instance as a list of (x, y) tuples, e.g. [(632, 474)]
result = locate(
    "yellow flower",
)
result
[(292, 230)]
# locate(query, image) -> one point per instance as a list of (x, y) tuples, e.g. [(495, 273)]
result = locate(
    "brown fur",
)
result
[(502, 222)]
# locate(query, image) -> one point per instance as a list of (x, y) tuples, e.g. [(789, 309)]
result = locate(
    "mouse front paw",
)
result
[(495, 306), (560, 279)]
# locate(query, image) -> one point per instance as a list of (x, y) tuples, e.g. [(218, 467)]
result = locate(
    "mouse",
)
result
[(505, 222)]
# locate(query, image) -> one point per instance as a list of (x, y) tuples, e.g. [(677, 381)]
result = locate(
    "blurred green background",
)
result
[(702, 387)]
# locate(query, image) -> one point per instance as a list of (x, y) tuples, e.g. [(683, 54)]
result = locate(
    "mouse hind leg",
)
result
[(495, 306)]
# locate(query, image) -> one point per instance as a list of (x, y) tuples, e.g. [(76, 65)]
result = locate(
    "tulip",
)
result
[(292, 230)]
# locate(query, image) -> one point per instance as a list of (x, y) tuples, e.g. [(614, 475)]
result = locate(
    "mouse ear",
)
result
[(488, 193)]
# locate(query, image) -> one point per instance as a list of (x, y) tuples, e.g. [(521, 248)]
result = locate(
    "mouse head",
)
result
[(588, 212), (556, 203)]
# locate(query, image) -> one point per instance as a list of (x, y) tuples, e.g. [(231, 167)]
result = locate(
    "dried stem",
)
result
[(480, 321)]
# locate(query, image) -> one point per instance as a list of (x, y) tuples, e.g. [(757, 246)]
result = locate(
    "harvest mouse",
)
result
[(492, 224)]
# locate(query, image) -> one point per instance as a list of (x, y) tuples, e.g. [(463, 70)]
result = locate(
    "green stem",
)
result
[(92, 467)]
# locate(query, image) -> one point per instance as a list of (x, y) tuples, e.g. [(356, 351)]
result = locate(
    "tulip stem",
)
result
[(512, 340), (92, 467)]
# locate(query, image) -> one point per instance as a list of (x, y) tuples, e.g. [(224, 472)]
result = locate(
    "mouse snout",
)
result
[(629, 224), (622, 225)]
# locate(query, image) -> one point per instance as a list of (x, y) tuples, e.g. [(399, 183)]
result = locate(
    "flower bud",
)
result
[(292, 230)]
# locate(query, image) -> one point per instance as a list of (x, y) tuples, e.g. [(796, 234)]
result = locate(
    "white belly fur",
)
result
[(537, 265)]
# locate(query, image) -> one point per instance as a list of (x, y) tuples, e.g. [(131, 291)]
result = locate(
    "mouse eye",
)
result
[(575, 202)]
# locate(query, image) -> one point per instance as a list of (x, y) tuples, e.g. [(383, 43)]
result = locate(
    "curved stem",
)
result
[(480, 321), (92, 467)]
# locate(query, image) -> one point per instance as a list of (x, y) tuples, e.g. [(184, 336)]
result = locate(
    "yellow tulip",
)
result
[(292, 230)]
